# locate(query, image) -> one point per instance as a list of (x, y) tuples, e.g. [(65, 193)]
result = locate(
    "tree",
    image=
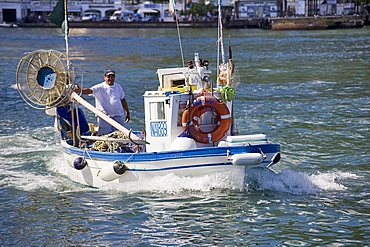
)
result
[(200, 8)]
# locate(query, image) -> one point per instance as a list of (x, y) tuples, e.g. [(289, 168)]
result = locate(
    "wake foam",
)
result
[(24, 161), (32, 161), (172, 184), (53, 178), (28, 181), (293, 182), (13, 86), (286, 181)]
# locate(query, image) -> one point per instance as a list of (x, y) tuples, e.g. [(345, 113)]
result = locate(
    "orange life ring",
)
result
[(200, 106)]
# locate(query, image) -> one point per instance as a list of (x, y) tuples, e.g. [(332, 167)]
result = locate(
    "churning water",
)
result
[(307, 90)]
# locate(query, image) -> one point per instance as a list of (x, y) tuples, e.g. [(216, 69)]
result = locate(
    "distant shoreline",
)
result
[(291, 23), (183, 24)]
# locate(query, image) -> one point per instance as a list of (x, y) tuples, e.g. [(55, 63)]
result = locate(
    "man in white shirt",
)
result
[(110, 99)]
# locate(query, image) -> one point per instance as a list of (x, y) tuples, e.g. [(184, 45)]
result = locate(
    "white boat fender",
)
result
[(248, 159), (183, 143), (247, 138), (79, 163), (109, 173), (222, 144)]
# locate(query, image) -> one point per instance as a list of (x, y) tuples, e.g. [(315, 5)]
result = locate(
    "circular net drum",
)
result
[(44, 78)]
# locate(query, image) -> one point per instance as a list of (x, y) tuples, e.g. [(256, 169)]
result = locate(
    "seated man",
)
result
[(65, 121)]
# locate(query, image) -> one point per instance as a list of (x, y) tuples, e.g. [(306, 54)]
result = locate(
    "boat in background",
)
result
[(312, 23), (4, 24), (189, 125)]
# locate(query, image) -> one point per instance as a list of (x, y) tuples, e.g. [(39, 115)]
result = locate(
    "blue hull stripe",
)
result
[(184, 167), (178, 167), (173, 155)]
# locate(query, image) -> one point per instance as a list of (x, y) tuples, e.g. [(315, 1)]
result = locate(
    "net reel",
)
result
[(44, 79)]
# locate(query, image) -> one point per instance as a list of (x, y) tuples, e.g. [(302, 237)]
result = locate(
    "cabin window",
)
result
[(173, 80), (157, 110), (176, 83), (182, 107)]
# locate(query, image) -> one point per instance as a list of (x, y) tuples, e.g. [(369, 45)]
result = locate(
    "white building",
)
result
[(12, 10), (37, 10), (245, 9)]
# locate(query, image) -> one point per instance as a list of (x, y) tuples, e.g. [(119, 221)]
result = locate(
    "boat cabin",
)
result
[(165, 122)]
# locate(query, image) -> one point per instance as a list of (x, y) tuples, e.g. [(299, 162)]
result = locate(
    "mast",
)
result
[(173, 12), (178, 34), (73, 110), (220, 42), (221, 32), (66, 29)]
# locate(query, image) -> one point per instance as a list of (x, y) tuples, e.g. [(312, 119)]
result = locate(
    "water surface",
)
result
[(307, 90)]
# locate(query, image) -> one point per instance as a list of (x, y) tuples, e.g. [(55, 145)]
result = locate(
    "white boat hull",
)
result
[(141, 166)]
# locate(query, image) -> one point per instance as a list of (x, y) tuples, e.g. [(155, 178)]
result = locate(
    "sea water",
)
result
[(307, 90)]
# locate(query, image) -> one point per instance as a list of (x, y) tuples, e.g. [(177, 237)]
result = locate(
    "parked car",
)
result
[(151, 18), (137, 18), (91, 17), (123, 15), (74, 18)]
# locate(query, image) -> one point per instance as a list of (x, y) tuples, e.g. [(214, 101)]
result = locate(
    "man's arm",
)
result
[(78, 90), (125, 107)]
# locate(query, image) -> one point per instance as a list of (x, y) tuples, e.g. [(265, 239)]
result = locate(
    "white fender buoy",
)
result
[(249, 159), (110, 173), (247, 138), (222, 144), (183, 143), (79, 163)]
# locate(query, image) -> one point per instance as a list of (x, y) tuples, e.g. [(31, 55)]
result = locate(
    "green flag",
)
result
[(57, 15)]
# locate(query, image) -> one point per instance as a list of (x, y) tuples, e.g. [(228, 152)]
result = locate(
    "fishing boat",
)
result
[(189, 125)]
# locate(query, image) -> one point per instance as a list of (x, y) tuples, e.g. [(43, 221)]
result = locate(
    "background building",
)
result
[(37, 11)]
